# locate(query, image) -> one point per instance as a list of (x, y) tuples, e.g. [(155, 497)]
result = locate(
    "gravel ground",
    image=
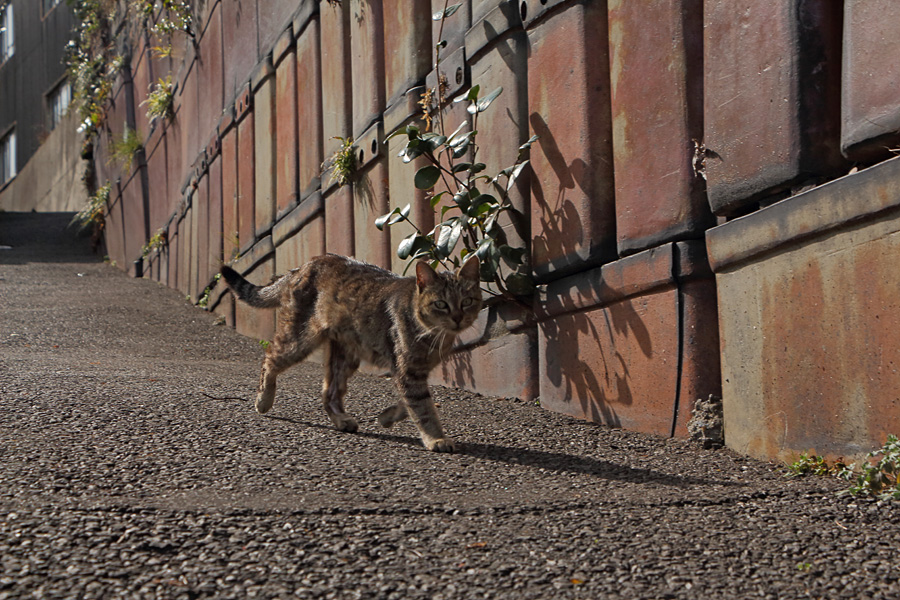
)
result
[(132, 464)]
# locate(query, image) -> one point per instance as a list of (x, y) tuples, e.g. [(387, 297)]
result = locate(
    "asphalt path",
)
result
[(132, 465)]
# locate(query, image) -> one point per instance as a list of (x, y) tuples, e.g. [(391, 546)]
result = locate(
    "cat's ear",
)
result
[(425, 275), (470, 270)]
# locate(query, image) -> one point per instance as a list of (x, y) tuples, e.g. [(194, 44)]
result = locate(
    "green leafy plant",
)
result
[(93, 213), (161, 100), (174, 16), (204, 298), (122, 149), (811, 464), (471, 201), (342, 164), (878, 476), (157, 242)]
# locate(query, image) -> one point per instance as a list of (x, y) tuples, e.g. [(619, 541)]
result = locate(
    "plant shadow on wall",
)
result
[(583, 352), (558, 240)]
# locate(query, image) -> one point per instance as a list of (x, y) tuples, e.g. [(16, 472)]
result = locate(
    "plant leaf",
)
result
[(447, 12), (381, 221), (400, 214), (483, 103), (471, 96), (527, 145), (515, 174), (426, 177)]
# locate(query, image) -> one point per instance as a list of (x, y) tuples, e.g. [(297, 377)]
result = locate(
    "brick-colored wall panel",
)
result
[(336, 89), (504, 367), (870, 103), (631, 344), (503, 127), (656, 57), (210, 74), (454, 27), (157, 175), (114, 229), (254, 322), (246, 182), (215, 219), (401, 176), (230, 218), (771, 97), (134, 218), (309, 109), (302, 246), (175, 166), (367, 63), (202, 203), (572, 211), (274, 18), (265, 162), (189, 116), (183, 275), (142, 83), (407, 45), (370, 195), (286, 131), (339, 236), (239, 39)]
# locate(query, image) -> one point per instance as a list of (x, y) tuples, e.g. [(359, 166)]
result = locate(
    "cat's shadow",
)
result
[(550, 461)]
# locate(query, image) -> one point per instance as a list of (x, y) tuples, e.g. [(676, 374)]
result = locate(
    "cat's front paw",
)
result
[(441, 445), (345, 423), (264, 402)]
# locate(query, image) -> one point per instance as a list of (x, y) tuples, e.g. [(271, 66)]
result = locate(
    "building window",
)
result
[(7, 157), (7, 44), (58, 103), (49, 4)]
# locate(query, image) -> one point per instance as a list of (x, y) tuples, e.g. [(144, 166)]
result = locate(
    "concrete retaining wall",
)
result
[(656, 124)]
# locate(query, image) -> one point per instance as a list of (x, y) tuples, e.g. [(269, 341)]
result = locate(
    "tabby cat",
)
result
[(357, 311)]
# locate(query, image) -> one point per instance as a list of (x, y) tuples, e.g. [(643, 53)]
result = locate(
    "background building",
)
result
[(38, 142)]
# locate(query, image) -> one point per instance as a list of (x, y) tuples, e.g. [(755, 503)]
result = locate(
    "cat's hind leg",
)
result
[(339, 367), (392, 415), (280, 355)]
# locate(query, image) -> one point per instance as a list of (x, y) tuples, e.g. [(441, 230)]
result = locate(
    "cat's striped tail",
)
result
[(254, 295)]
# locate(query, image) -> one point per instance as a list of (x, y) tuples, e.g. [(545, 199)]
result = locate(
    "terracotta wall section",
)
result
[(656, 121)]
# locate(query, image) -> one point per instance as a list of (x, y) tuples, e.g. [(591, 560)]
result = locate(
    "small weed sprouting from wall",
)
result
[(156, 243), (93, 213), (161, 100), (203, 302), (877, 477), (124, 148), (342, 164), (811, 464), (474, 199)]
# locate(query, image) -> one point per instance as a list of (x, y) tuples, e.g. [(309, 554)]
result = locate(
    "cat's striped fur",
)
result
[(356, 311)]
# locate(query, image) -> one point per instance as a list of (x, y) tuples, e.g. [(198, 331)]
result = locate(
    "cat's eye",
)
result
[(440, 305), (467, 302)]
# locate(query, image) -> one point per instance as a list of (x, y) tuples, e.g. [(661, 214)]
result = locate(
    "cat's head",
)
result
[(446, 301)]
